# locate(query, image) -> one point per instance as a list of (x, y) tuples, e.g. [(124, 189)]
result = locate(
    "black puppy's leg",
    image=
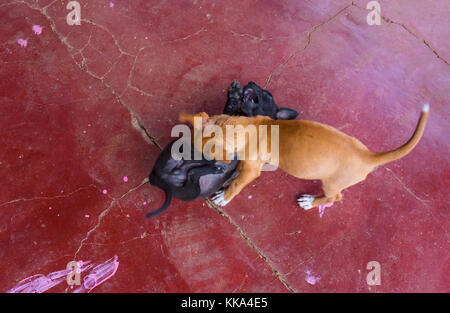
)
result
[(179, 174), (195, 173), (234, 98)]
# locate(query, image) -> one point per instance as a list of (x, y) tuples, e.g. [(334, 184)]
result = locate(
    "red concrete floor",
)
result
[(84, 106)]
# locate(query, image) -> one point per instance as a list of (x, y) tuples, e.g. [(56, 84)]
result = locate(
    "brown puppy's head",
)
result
[(211, 128)]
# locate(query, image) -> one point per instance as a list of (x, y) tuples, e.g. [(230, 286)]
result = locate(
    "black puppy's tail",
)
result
[(166, 202)]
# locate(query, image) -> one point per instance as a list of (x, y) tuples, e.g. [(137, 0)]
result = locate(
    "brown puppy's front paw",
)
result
[(219, 198), (305, 202)]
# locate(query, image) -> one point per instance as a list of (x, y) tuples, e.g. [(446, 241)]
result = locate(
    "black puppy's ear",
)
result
[(286, 114)]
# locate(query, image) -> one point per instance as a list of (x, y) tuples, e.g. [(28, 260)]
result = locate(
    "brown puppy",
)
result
[(307, 150)]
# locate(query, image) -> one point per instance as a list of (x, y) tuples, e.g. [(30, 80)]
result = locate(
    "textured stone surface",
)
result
[(84, 106)]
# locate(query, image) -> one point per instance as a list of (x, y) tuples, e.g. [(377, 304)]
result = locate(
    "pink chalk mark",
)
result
[(310, 278), (89, 125), (84, 132), (40, 283), (86, 216), (99, 275), (111, 5), (49, 207), (250, 196), (145, 202), (323, 207), (105, 191), (22, 42), (37, 29), (125, 179), (81, 263)]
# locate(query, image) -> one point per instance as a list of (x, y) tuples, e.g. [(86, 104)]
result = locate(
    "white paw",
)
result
[(305, 202), (219, 198)]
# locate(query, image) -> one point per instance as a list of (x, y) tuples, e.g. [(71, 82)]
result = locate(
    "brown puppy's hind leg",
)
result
[(332, 194), (326, 199)]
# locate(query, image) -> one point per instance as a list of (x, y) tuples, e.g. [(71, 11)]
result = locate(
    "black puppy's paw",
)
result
[(235, 90), (234, 99), (177, 177)]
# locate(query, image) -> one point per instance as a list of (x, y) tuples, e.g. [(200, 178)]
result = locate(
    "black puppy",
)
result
[(189, 179), (193, 179), (254, 100)]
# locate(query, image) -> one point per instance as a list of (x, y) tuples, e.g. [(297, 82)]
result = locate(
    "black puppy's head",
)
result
[(257, 101)]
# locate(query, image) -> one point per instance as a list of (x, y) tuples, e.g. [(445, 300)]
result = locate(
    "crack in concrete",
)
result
[(276, 272), (116, 42), (84, 67), (314, 28), (242, 284), (142, 236), (50, 197), (137, 124), (130, 77), (406, 187), (103, 214), (424, 202), (308, 36), (426, 43), (255, 39), (122, 52), (203, 29), (113, 65), (297, 232), (417, 37)]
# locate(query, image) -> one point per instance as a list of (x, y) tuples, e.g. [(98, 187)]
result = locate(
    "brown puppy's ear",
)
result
[(190, 118)]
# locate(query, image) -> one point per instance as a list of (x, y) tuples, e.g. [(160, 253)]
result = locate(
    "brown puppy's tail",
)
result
[(388, 156)]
